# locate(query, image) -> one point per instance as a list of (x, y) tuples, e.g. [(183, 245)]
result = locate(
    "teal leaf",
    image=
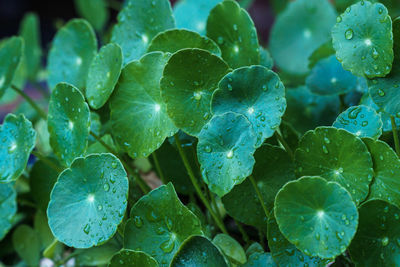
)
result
[(103, 75), (138, 22), (26, 243), (376, 242), (17, 142), (72, 51), (231, 27), (255, 92), (363, 39), (94, 11), (8, 207), (338, 156), (176, 39), (317, 216), (230, 248), (295, 34), (363, 121), (68, 122), (322, 52), (95, 126), (225, 152), (260, 259), (127, 257), (10, 55), (138, 117), (98, 256), (159, 224), (265, 58), (88, 201), (189, 79)]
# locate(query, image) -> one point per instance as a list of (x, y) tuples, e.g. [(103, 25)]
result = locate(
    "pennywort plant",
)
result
[(175, 139)]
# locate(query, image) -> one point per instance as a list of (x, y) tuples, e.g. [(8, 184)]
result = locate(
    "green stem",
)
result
[(284, 144), (47, 161), (253, 182), (196, 185), (30, 101), (214, 204), (342, 103), (158, 167), (243, 232), (395, 136)]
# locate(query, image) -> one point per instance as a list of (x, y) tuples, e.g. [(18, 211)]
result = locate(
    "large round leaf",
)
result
[(363, 39), (127, 257), (71, 54), (139, 120), (27, 244), (68, 122), (317, 216), (295, 34), (377, 240), (225, 152), (336, 155), (230, 248), (272, 170), (88, 201), (189, 79), (360, 120), (200, 252), (159, 224), (17, 142), (10, 55), (8, 207), (138, 22), (95, 11), (176, 39), (103, 75), (386, 184), (255, 92), (232, 28)]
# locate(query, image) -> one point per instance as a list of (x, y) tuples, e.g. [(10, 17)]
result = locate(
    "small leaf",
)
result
[(27, 244), (10, 56), (98, 256), (95, 11), (97, 147), (260, 259), (265, 58), (8, 207), (127, 257), (88, 201), (230, 248), (41, 226), (317, 216)]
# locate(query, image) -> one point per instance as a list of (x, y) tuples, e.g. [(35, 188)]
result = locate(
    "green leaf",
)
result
[(127, 257), (376, 242), (255, 92), (159, 224), (328, 77), (30, 32), (17, 142), (98, 256), (225, 152), (265, 58), (97, 147), (88, 201), (103, 75), (200, 252), (272, 170), (139, 119), (43, 137), (260, 259), (231, 27), (95, 126), (41, 226), (189, 79), (176, 39), (10, 54), (138, 22), (363, 39), (68, 122), (295, 34), (386, 185), (317, 216), (95, 11), (324, 51), (27, 244), (338, 156), (230, 248), (72, 51), (363, 121), (8, 207), (285, 253)]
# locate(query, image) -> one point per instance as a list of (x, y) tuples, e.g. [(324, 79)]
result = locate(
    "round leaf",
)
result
[(10, 55), (159, 224), (173, 40), (377, 240), (255, 92), (260, 259), (317, 216), (200, 252), (8, 207), (230, 248), (68, 122), (225, 152), (127, 257), (361, 120), (95, 11), (138, 22), (232, 28), (71, 54), (336, 155), (27, 244), (363, 39), (103, 75), (17, 142), (189, 79), (139, 120), (88, 201)]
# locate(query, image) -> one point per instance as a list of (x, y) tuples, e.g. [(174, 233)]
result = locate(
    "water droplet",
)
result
[(168, 246), (364, 123), (375, 53), (339, 19), (114, 165), (349, 34), (326, 140), (385, 241), (325, 150), (106, 187), (208, 149), (381, 92), (235, 27), (138, 221), (99, 207), (86, 229), (229, 155)]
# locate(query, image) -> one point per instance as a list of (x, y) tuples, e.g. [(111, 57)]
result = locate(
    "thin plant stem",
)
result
[(242, 232), (253, 182), (395, 136), (158, 167), (196, 185), (284, 144), (40, 112), (214, 203)]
